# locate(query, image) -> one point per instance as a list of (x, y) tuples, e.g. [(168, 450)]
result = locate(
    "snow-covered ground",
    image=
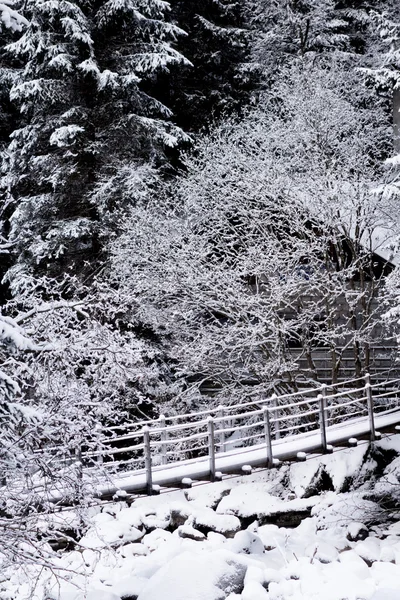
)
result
[(321, 529)]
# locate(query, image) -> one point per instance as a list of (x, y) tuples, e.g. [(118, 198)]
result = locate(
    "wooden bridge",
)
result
[(174, 450), (179, 449)]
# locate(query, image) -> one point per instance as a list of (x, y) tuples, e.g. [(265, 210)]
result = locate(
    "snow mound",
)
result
[(196, 576)]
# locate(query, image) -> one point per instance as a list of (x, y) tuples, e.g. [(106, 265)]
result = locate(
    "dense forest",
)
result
[(189, 190)]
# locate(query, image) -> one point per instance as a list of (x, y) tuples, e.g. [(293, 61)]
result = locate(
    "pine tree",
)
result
[(219, 79), (87, 121), (287, 29), (90, 144)]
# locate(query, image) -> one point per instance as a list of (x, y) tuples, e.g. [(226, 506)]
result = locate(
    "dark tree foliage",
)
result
[(220, 79)]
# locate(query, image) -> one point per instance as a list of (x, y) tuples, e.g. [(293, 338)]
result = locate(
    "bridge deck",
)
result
[(284, 449)]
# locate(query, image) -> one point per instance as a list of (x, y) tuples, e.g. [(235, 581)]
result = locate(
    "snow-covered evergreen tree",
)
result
[(88, 119), (285, 29), (219, 79), (89, 143)]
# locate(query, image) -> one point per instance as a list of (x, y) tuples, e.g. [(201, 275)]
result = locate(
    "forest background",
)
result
[(188, 188)]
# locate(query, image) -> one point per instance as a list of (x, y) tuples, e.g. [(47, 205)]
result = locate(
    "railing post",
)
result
[(370, 404), (164, 435), (147, 460), (211, 446), (322, 417), (221, 413), (267, 433), (274, 403)]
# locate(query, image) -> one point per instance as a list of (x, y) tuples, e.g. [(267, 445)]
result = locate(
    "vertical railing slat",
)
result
[(147, 460), (275, 405), (267, 434), (211, 446), (370, 405), (221, 414)]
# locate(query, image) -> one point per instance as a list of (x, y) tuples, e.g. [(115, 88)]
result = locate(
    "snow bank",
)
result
[(175, 546)]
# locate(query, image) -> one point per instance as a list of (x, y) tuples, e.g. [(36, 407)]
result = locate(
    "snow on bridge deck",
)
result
[(304, 422), (255, 456)]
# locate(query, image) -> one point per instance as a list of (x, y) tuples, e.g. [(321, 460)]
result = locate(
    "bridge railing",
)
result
[(158, 444)]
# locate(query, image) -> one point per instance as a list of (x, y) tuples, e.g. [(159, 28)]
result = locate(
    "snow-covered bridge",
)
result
[(173, 450)]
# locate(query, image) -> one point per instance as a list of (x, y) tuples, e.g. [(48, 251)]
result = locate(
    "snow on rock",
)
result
[(246, 542), (389, 483), (390, 442), (249, 501), (196, 576), (272, 536), (187, 531), (253, 501), (339, 467), (354, 563), (156, 538), (207, 519), (369, 549), (253, 590), (204, 519), (356, 532), (205, 497), (179, 513), (323, 552), (110, 533)]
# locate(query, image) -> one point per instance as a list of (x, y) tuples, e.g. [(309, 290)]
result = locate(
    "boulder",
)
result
[(196, 576)]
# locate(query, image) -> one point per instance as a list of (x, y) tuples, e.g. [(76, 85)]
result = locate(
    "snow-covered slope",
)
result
[(322, 529)]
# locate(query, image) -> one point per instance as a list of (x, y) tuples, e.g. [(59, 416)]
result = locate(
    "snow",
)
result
[(196, 576), (159, 546), (283, 449), (11, 18)]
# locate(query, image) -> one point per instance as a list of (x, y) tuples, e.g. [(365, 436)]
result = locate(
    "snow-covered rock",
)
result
[(356, 531), (196, 576), (110, 533), (246, 542), (254, 502)]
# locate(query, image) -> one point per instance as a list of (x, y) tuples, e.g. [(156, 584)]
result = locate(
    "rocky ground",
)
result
[(327, 528)]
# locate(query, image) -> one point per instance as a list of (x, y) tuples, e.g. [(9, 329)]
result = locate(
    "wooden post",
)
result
[(164, 436), (221, 412), (147, 460), (274, 403), (322, 417), (211, 446), (370, 404), (267, 433)]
